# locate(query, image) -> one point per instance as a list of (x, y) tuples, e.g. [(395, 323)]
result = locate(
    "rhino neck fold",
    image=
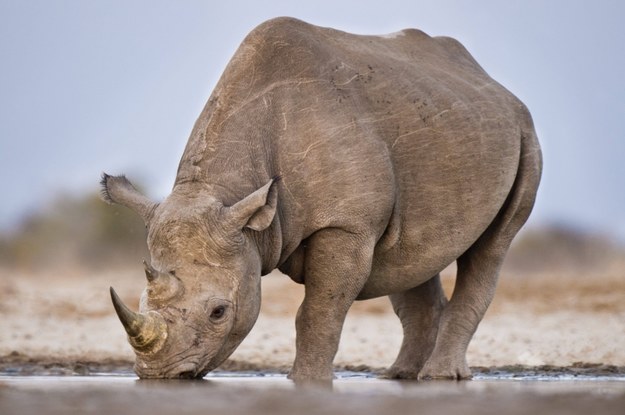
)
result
[(267, 243)]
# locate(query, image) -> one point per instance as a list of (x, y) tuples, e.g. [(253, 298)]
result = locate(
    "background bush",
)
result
[(76, 231), (86, 232)]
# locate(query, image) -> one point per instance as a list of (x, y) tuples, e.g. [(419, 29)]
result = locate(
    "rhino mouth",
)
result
[(179, 370)]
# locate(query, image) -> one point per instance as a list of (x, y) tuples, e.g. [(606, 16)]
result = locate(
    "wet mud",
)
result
[(16, 364)]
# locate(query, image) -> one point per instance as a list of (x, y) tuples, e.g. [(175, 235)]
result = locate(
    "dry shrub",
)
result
[(75, 231), (564, 250)]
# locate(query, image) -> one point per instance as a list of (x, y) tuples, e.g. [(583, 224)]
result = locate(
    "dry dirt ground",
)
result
[(66, 321), (64, 324)]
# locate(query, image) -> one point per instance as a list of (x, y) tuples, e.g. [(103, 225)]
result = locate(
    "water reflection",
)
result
[(175, 383), (345, 383)]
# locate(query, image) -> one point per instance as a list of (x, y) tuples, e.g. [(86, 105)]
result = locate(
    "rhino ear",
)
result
[(118, 189), (257, 210)]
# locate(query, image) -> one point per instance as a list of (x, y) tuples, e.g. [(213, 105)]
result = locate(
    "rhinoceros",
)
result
[(359, 166)]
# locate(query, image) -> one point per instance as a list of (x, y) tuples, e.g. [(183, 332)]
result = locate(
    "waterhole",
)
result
[(492, 391)]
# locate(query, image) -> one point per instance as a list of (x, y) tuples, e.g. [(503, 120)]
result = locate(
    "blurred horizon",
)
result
[(83, 232), (87, 87)]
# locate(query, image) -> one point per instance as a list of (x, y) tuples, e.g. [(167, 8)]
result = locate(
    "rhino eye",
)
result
[(218, 312)]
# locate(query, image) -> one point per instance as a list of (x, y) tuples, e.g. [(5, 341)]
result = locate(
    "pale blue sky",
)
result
[(87, 86)]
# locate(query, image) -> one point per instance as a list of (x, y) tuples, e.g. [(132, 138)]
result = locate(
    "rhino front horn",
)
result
[(146, 332)]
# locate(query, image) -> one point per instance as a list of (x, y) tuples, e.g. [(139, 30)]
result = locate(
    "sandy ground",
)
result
[(535, 320), (64, 324)]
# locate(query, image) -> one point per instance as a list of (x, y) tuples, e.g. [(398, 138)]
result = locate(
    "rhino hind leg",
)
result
[(337, 266), (476, 280), (478, 271), (419, 310)]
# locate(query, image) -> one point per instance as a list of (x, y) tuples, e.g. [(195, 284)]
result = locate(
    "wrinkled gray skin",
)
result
[(360, 166)]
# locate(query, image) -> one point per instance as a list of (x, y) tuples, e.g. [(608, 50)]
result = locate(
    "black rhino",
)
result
[(360, 166)]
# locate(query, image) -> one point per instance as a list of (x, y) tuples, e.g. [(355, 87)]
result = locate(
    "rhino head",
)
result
[(203, 284)]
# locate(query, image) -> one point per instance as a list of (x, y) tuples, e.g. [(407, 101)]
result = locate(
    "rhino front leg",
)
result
[(337, 266), (419, 310)]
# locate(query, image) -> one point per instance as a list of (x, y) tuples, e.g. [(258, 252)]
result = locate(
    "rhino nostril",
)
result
[(187, 370), (187, 374)]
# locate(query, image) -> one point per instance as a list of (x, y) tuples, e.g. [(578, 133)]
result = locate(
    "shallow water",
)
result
[(352, 392), (355, 382)]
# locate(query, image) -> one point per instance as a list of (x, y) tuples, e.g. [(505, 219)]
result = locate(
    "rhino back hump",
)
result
[(362, 128)]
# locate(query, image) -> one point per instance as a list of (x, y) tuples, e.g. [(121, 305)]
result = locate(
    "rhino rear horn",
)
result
[(150, 273), (118, 189)]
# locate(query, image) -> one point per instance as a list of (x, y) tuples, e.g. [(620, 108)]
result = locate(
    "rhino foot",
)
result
[(395, 372), (311, 376), (434, 371)]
